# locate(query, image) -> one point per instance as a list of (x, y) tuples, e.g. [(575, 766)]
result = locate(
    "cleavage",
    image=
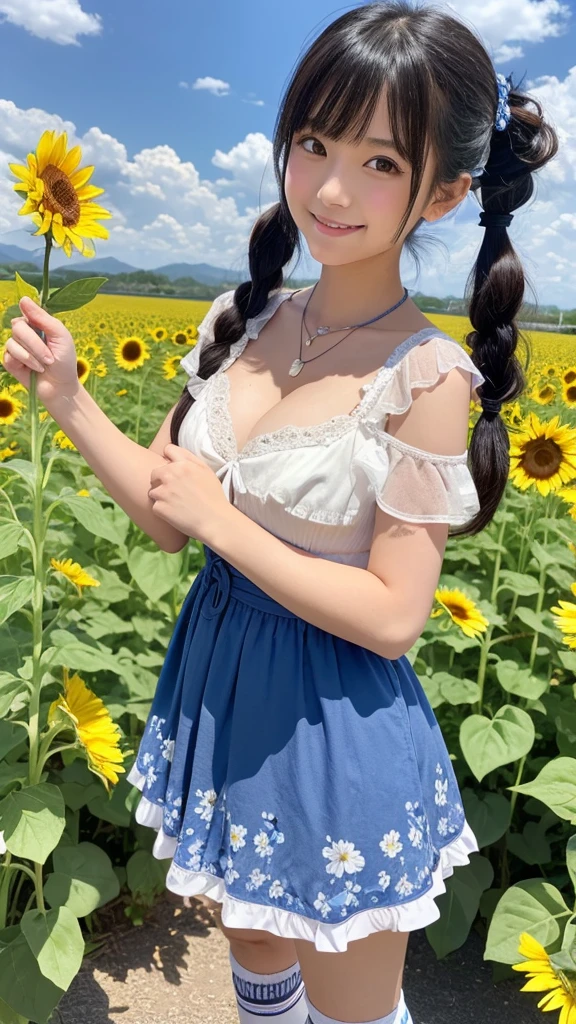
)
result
[(263, 397)]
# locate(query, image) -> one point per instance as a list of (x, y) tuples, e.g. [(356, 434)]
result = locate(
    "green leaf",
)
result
[(10, 534), (117, 808), (155, 572), (55, 938), (146, 876), (555, 786), (519, 582), (14, 594), (488, 814), (93, 517), (83, 879), (536, 622), (489, 743), (11, 736), (33, 819), (530, 845), (456, 690), (22, 984), (458, 906), (533, 906), (10, 687), (10, 314), (520, 681), (24, 469), (9, 1016), (23, 288), (68, 649), (74, 295)]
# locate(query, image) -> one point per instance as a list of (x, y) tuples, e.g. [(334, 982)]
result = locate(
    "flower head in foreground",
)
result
[(461, 610), (543, 455), (75, 573), (560, 992), (93, 726), (58, 197)]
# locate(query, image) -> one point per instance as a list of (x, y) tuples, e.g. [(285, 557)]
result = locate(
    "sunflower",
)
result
[(512, 414), (131, 353), (461, 610), (61, 440), (560, 990), (58, 198), (93, 726), (549, 371), (170, 366), (75, 573), (83, 368), (543, 455), (569, 394), (543, 394), (566, 621), (569, 375), (159, 333), (191, 331), (10, 407), (180, 338)]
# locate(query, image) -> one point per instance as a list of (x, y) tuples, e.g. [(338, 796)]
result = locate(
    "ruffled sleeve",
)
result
[(407, 482), (191, 360)]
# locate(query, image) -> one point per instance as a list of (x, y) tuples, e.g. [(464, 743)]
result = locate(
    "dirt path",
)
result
[(174, 969)]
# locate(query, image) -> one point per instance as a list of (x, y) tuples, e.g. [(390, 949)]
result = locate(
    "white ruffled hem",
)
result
[(328, 938)]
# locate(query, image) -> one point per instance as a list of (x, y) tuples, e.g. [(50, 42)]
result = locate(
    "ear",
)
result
[(452, 193)]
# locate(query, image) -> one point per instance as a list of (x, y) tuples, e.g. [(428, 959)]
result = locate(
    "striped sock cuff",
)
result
[(268, 995)]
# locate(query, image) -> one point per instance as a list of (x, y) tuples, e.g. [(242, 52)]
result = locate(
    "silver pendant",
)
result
[(323, 330), (296, 367)]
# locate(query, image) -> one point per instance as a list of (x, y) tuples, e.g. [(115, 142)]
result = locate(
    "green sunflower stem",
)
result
[(36, 440), (486, 639)]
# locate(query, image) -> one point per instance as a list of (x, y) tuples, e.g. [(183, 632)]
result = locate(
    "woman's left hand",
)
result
[(187, 493)]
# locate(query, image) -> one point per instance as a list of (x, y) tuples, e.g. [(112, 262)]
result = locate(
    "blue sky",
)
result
[(179, 100)]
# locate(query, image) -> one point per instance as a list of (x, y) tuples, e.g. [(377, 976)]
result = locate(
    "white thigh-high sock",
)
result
[(399, 1015), (263, 996)]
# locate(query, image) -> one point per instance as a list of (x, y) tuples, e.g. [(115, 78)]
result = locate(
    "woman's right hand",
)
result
[(25, 351)]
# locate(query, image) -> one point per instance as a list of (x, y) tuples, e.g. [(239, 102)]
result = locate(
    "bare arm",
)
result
[(123, 466)]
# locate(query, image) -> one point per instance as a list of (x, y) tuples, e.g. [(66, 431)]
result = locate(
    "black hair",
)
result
[(442, 95)]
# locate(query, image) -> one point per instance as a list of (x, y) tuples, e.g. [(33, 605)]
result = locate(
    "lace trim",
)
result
[(417, 453), (222, 432)]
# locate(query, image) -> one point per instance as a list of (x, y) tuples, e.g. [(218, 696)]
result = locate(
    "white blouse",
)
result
[(317, 487)]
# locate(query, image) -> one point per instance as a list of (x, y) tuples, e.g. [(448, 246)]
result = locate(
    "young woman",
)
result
[(291, 764)]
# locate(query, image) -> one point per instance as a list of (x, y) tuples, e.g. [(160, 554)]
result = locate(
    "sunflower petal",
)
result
[(44, 150), (93, 230), (89, 192), (80, 177), (58, 232), (59, 151), (541, 983), (46, 222), (71, 160), (21, 172)]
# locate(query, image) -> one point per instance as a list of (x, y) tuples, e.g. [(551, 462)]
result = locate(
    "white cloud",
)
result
[(214, 85), (60, 21), (515, 21)]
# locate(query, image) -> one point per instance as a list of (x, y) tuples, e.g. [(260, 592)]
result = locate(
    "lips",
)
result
[(340, 225)]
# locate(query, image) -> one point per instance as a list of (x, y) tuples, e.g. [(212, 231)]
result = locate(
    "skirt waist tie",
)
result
[(219, 580)]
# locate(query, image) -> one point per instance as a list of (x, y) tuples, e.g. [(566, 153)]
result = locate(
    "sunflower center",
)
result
[(6, 407), (458, 610), (542, 458), (131, 351), (60, 195)]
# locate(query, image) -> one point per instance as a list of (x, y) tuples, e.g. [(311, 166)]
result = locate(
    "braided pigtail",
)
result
[(272, 242), (518, 148)]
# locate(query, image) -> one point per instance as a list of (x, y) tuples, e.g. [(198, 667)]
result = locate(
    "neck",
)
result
[(351, 293)]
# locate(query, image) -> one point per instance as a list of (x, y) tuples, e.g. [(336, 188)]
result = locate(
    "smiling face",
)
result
[(365, 183)]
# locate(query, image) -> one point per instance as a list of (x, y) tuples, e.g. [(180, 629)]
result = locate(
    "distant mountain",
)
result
[(94, 267), (15, 254), (202, 272)]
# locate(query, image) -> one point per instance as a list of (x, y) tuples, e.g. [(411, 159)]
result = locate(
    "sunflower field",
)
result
[(88, 604)]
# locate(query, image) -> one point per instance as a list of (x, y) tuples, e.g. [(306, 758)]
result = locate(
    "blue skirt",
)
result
[(299, 779)]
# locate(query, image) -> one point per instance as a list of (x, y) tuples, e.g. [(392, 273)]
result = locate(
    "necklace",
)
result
[(299, 362)]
